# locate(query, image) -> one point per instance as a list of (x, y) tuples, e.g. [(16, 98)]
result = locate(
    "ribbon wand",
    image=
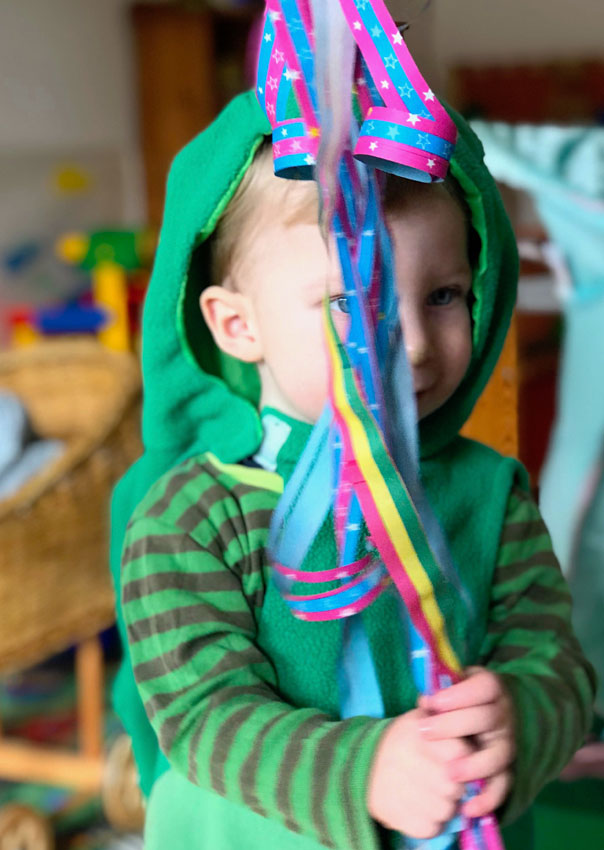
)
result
[(373, 487)]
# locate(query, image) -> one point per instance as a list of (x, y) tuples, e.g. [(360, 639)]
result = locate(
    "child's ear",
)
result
[(230, 317)]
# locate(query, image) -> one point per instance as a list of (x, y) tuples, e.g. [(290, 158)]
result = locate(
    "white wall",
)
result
[(510, 30), (67, 77), (67, 81), (502, 31)]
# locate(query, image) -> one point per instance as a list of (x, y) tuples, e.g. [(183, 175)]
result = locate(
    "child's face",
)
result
[(286, 274)]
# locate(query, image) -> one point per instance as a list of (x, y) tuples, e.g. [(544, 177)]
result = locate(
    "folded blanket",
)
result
[(22, 454)]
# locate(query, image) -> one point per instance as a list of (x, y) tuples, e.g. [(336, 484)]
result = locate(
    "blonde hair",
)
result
[(259, 195)]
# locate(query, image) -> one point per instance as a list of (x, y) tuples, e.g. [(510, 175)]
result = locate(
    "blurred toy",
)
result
[(110, 256)]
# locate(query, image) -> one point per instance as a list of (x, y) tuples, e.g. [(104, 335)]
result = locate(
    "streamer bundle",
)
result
[(363, 109)]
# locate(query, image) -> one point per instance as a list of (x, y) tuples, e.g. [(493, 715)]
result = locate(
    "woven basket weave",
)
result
[(55, 587)]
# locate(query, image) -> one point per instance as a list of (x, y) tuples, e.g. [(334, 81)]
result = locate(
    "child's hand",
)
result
[(588, 761), (410, 789), (478, 708)]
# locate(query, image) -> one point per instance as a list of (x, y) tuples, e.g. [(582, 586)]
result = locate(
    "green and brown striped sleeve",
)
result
[(193, 583), (530, 643)]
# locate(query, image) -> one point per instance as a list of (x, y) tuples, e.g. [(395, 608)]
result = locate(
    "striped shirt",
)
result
[(194, 578)]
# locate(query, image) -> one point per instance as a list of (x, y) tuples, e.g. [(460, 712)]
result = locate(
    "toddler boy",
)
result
[(243, 697)]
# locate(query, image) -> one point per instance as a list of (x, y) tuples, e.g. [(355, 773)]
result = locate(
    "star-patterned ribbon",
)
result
[(405, 129), (354, 468)]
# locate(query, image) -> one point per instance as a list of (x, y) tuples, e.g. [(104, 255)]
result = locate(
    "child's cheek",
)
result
[(342, 325)]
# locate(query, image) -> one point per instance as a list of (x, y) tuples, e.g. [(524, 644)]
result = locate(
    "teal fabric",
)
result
[(196, 401), (563, 170), (218, 823)]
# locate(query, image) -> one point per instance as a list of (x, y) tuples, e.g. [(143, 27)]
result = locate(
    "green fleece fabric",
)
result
[(197, 401)]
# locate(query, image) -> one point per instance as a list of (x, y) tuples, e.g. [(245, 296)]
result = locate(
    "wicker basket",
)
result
[(55, 587)]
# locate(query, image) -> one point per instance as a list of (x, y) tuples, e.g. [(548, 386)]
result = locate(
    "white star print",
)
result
[(292, 75), (393, 131), (431, 163), (268, 37), (385, 84), (429, 95), (260, 90), (284, 131), (356, 25), (373, 146), (397, 38), (406, 90), (390, 61), (274, 16), (361, 4), (419, 653), (296, 146), (413, 118), (309, 159), (273, 83), (422, 140), (376, 32), (279, 57)]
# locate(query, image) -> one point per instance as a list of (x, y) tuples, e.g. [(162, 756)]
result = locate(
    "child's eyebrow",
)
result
[(330, 284)]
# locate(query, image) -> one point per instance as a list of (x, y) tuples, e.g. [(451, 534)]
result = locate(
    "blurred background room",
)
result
[(96, 97)]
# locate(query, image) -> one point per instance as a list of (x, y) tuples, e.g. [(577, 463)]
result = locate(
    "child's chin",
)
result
[(422, 405), (425, 404)]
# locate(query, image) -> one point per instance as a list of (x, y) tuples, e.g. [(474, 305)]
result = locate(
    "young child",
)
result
[(242, 696)]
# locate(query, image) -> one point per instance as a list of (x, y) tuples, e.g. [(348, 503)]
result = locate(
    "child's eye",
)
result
[(443, 296), (340, 303)]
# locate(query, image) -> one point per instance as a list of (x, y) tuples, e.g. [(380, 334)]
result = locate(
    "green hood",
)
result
[(197, 399), (186, 406)]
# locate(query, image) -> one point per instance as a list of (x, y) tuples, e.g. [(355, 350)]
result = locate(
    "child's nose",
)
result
[(417, 340)]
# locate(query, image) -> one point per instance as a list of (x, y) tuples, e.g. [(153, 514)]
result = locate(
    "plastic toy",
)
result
[(109, 256)]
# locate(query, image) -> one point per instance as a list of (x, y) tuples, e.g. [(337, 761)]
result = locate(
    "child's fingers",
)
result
[(490, 798), (479, 688), (463, 722), (484, 763), (449, 749)]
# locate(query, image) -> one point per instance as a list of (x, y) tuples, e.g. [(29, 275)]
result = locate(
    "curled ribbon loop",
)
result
[(405, 131)]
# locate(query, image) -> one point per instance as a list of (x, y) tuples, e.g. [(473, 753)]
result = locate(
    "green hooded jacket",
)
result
[(198, 400)]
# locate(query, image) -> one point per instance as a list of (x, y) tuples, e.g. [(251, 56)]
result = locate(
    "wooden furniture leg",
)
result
[(90, 697)]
